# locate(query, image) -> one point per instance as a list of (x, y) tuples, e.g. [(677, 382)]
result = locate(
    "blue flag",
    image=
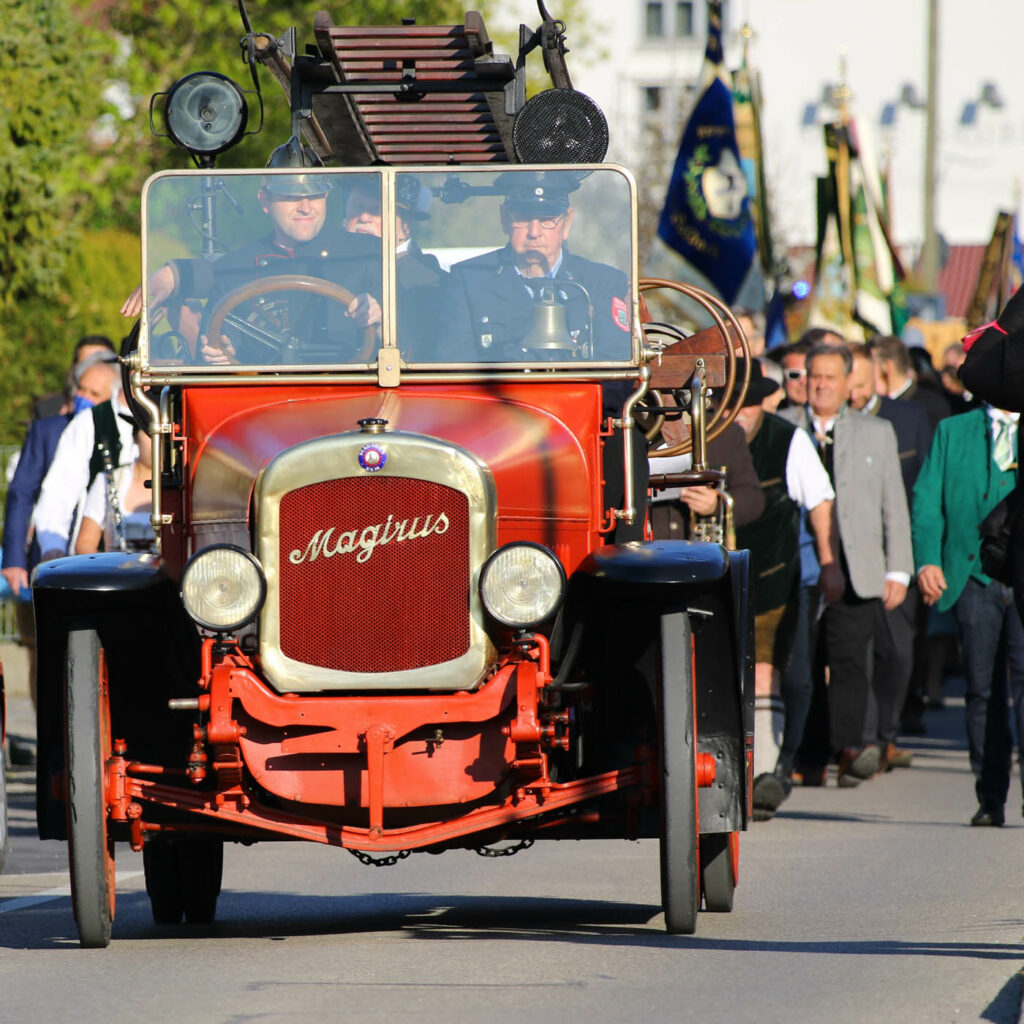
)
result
[(706, 217)]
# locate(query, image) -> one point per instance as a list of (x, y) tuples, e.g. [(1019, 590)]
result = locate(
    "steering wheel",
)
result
[(271, 333), (733, 392)]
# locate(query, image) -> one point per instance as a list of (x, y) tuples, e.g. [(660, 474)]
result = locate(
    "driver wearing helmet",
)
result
[(288, 325), (299, 244)]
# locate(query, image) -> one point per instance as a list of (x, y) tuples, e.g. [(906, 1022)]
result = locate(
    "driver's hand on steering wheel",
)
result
[(222, 354), (364, 310)]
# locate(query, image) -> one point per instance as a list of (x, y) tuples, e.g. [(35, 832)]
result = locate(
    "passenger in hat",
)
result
[(794, 482), (490, 301), (363, 209), (419, 275)]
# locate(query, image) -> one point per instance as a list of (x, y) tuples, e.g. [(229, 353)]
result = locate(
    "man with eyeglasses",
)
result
[(493, 299)]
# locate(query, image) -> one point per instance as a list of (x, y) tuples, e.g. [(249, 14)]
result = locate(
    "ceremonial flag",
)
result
[(831, 302), (706, 217), (859, 272), (746, 94)]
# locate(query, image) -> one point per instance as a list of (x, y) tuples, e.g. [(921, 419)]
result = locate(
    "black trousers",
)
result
[(893, 667), (855, 633)]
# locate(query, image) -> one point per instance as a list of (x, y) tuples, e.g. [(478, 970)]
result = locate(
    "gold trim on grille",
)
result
[(411, 456)]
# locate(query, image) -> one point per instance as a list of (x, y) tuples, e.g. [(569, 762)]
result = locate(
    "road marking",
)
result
[(22, 902)]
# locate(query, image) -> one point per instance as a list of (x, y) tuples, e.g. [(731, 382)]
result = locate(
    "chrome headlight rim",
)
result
[(554, 605), (255, 606)]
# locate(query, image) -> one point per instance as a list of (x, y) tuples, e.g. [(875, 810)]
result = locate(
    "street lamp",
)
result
[(907, 98), (987, 97)]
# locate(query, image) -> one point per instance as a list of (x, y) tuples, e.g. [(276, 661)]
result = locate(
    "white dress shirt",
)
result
[(64, 486)]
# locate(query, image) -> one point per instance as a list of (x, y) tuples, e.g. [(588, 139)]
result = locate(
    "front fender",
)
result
[(657, 564)]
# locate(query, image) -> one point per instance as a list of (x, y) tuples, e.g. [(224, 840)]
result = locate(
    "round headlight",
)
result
[(522, 584), (205, 112), (223, 588)]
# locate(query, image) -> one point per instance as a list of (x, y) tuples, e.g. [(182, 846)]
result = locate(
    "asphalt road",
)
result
[(875, 904)]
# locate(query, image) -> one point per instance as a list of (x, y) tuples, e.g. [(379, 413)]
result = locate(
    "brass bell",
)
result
[(549, 329)]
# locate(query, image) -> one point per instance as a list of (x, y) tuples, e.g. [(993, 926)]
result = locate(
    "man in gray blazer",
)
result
[(873, 524)]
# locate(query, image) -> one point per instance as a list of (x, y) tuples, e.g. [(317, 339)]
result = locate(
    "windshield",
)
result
[(513, 267)]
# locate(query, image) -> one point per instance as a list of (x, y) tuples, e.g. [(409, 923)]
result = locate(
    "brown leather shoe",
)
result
[(810, 775), (895, 757), (856, 765)]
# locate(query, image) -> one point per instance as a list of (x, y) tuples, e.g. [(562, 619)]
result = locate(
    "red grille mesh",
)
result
[(405, 606)]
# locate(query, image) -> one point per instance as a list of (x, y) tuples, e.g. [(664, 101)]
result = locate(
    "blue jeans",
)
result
[(992, 640)]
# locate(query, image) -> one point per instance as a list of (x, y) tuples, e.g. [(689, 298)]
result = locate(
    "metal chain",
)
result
[(380, 862), (504, 851), (113, 499)]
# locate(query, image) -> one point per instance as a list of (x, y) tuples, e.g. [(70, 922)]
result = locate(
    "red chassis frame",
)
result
[(517, 695)]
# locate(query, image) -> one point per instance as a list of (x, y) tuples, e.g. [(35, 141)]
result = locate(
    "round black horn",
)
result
[(560, 126)]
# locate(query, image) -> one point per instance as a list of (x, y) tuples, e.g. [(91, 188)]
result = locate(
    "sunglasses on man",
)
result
[(794, 374)]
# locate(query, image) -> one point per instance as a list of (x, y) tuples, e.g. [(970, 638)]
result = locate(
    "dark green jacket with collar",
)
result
[(959, 484)]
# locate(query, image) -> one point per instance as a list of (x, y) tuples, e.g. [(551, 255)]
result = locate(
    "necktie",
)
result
[(1005, 442), (824, 442)]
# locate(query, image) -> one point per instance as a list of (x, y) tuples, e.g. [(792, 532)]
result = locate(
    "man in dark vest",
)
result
[(792, 477)]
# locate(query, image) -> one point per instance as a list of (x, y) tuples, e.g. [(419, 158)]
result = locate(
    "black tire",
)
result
[(160, 863), (200, 867), (680, 889), (717, 878), (183, 879), (87, 748)]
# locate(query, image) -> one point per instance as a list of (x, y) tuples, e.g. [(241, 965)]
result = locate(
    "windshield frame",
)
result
[(388, 363)]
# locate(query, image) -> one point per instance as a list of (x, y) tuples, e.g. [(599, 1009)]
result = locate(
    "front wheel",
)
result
[(680, 889), (86, 751)]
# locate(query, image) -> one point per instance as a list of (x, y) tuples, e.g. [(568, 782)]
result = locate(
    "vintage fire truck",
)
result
[(401, 595)]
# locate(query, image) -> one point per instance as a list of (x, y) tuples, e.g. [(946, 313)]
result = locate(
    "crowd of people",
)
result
[(877, 471)]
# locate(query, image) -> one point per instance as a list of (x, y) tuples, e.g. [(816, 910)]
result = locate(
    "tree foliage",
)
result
[(51, 80)]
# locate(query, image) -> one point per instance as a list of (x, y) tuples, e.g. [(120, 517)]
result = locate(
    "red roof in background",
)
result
[(959, 277)]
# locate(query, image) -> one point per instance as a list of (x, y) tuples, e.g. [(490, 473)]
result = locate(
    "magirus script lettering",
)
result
[(362, 543)]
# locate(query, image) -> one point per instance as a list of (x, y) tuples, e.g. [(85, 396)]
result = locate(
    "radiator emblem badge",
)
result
[(372, 457), (362, 543)]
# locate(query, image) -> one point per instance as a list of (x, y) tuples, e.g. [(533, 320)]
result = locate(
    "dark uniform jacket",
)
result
[(419, 280), (318, 325), (911, 422), (490, 306), (935, 405)]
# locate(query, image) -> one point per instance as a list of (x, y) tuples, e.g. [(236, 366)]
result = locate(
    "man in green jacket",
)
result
[(970, 468)]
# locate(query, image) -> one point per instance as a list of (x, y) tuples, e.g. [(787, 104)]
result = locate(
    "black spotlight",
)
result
[(560, 126), (205, 113)]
